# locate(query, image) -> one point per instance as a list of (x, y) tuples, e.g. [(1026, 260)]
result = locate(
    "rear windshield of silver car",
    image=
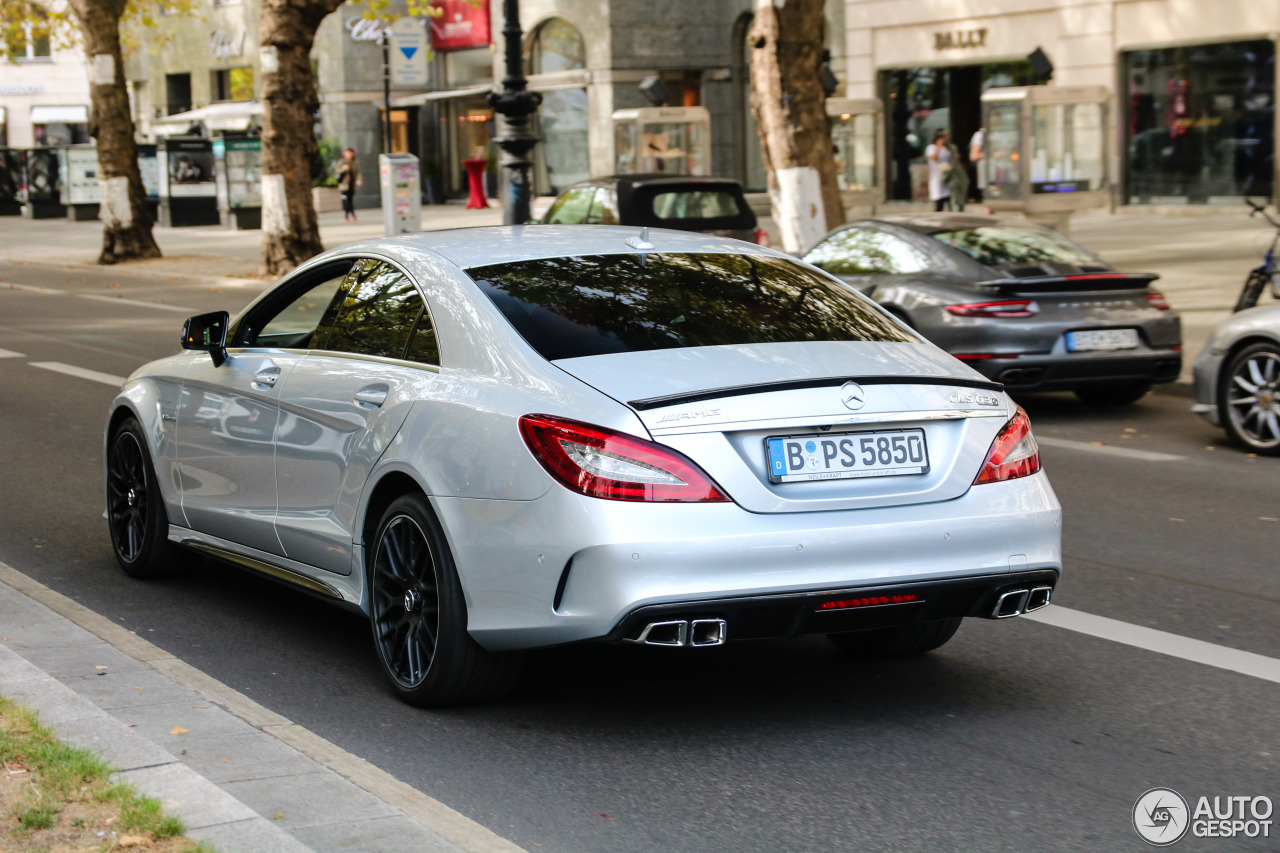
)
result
[(994, 245), (597, 304)]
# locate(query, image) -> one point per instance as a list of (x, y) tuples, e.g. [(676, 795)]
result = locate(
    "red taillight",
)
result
[(983, 356), (1156, 300), (870, 601), (762, 238), (602, 463), (1008, 309), (1013, 454)]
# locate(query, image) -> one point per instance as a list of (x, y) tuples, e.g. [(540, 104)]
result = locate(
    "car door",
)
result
[(342, 405), (228, 415)]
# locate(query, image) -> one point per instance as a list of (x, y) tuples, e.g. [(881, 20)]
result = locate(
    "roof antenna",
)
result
[(641, 243)]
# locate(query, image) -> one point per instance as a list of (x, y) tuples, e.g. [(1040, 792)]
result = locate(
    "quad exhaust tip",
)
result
[(1016, 602), (684, 634)]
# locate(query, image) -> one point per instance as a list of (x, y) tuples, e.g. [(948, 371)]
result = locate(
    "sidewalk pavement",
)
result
[(1202, 259), (241, 777)]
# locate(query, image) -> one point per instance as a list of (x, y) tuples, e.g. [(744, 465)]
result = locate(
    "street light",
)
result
[(515, 104)]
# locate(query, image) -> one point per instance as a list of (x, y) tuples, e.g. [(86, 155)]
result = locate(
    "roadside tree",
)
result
[(787, 45), (96, 25)]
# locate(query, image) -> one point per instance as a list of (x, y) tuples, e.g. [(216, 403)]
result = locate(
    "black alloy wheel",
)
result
[(419, 616), (135, 507), (1249, 398)]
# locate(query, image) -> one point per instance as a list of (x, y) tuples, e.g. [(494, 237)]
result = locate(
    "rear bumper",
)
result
[(759, 617), (567, 568), (1064, 372)]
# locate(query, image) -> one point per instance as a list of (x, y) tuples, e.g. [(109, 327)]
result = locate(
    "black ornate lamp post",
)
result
[(516, 105)]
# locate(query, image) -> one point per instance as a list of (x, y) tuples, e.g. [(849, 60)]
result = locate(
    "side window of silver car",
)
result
[(377, 314), (866, 251)]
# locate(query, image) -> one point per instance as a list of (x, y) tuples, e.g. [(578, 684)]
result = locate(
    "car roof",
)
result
[(498, 244), (654, 179), (932, 223)]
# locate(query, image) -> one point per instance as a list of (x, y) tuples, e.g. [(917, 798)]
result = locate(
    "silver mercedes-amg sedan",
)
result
[(495, 439)]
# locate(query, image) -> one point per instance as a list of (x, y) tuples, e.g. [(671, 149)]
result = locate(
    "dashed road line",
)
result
[(1162, 642), (80, 372), (27, 288), (8, 353), (1108, 449), (120, 300)]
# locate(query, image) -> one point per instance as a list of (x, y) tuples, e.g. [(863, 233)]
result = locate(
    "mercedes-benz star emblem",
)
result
[(852, 395)]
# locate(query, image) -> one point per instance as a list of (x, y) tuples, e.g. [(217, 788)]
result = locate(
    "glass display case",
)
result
[(671, 140), (1045, 148), (858, 137)]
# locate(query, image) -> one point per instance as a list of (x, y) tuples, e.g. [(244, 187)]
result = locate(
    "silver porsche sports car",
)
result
[(1237, 378), (494, 439)]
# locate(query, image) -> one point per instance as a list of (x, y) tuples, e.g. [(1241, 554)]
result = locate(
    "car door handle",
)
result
[(267, 376), (371, 398)]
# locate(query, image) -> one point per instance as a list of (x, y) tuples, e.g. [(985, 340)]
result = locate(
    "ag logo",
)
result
[(852, 395), (1161, 817)]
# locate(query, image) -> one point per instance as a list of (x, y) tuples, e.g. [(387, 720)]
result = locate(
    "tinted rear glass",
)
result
[(695, 204), (592, 305), (692, 207), (993, 245)]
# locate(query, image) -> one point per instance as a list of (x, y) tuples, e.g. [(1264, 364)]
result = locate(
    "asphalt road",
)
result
[(1016, 736)]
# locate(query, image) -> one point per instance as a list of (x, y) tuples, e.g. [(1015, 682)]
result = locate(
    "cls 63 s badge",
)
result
[(976, 398)]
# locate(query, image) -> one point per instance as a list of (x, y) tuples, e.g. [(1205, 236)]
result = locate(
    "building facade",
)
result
[(44, 92), (1189, 85)]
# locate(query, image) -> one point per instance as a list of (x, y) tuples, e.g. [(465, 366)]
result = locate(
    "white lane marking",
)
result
[(1108, 449), (80, 372), (1174, 645), (120, 300), (47, 291), (8, 353)]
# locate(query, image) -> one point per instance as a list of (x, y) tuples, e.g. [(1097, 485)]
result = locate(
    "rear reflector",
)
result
[(869, 601)]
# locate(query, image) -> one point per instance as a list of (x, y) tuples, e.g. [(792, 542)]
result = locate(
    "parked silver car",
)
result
[(1237, 377), (495, 439)]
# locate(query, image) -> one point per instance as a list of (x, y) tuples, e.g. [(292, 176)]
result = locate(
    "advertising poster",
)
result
[(190, 168), (81, 183), (244, 172), (463, 25)]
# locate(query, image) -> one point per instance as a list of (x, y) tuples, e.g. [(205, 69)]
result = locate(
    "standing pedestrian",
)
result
[(348, 180), (978, 156), (941, 164)]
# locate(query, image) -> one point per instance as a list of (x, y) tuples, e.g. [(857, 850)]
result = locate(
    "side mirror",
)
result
[(208, 333)]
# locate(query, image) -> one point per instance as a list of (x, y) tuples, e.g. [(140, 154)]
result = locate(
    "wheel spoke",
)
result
[(1240, 401), (1240, 380), (413, 654), (1272, 423), (1255, 373)]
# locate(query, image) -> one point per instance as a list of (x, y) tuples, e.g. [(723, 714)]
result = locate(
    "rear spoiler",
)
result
[(1075, 282)]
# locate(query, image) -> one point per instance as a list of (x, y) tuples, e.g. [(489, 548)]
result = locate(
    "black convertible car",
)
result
[(1021, 304)]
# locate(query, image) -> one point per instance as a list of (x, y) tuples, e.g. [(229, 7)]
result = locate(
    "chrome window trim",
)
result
[(394, 362)]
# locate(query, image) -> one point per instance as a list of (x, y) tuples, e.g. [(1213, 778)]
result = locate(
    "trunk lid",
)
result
[(720, 405)]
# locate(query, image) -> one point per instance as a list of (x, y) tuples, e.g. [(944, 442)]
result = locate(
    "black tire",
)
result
[(896, 642), (1113, 395), (1252, 417), (135, 508), (1254, 285), (419, 616)]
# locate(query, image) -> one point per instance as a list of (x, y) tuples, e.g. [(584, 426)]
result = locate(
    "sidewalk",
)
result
[(239, 776), (1202, 260)]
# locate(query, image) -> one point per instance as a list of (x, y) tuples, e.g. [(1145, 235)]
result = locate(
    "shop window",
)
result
[(400, 130), (29, 41), (232, 84), (468, 67), (555, 46), (1199, 123)]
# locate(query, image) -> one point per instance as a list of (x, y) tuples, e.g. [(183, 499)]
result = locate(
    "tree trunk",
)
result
[(787, 41), (286, 32), (126, 220)]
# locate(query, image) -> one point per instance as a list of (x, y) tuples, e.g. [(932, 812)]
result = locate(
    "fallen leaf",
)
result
[(177, 730), (199, 706), (1210, 447), (1099, 443), (278, 816), (224, 761), (139, 688), (1178, 519), (1130, 429), (99, 667)]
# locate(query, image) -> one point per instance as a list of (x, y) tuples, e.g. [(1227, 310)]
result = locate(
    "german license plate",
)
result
[(1102, 339), (847, 455)]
